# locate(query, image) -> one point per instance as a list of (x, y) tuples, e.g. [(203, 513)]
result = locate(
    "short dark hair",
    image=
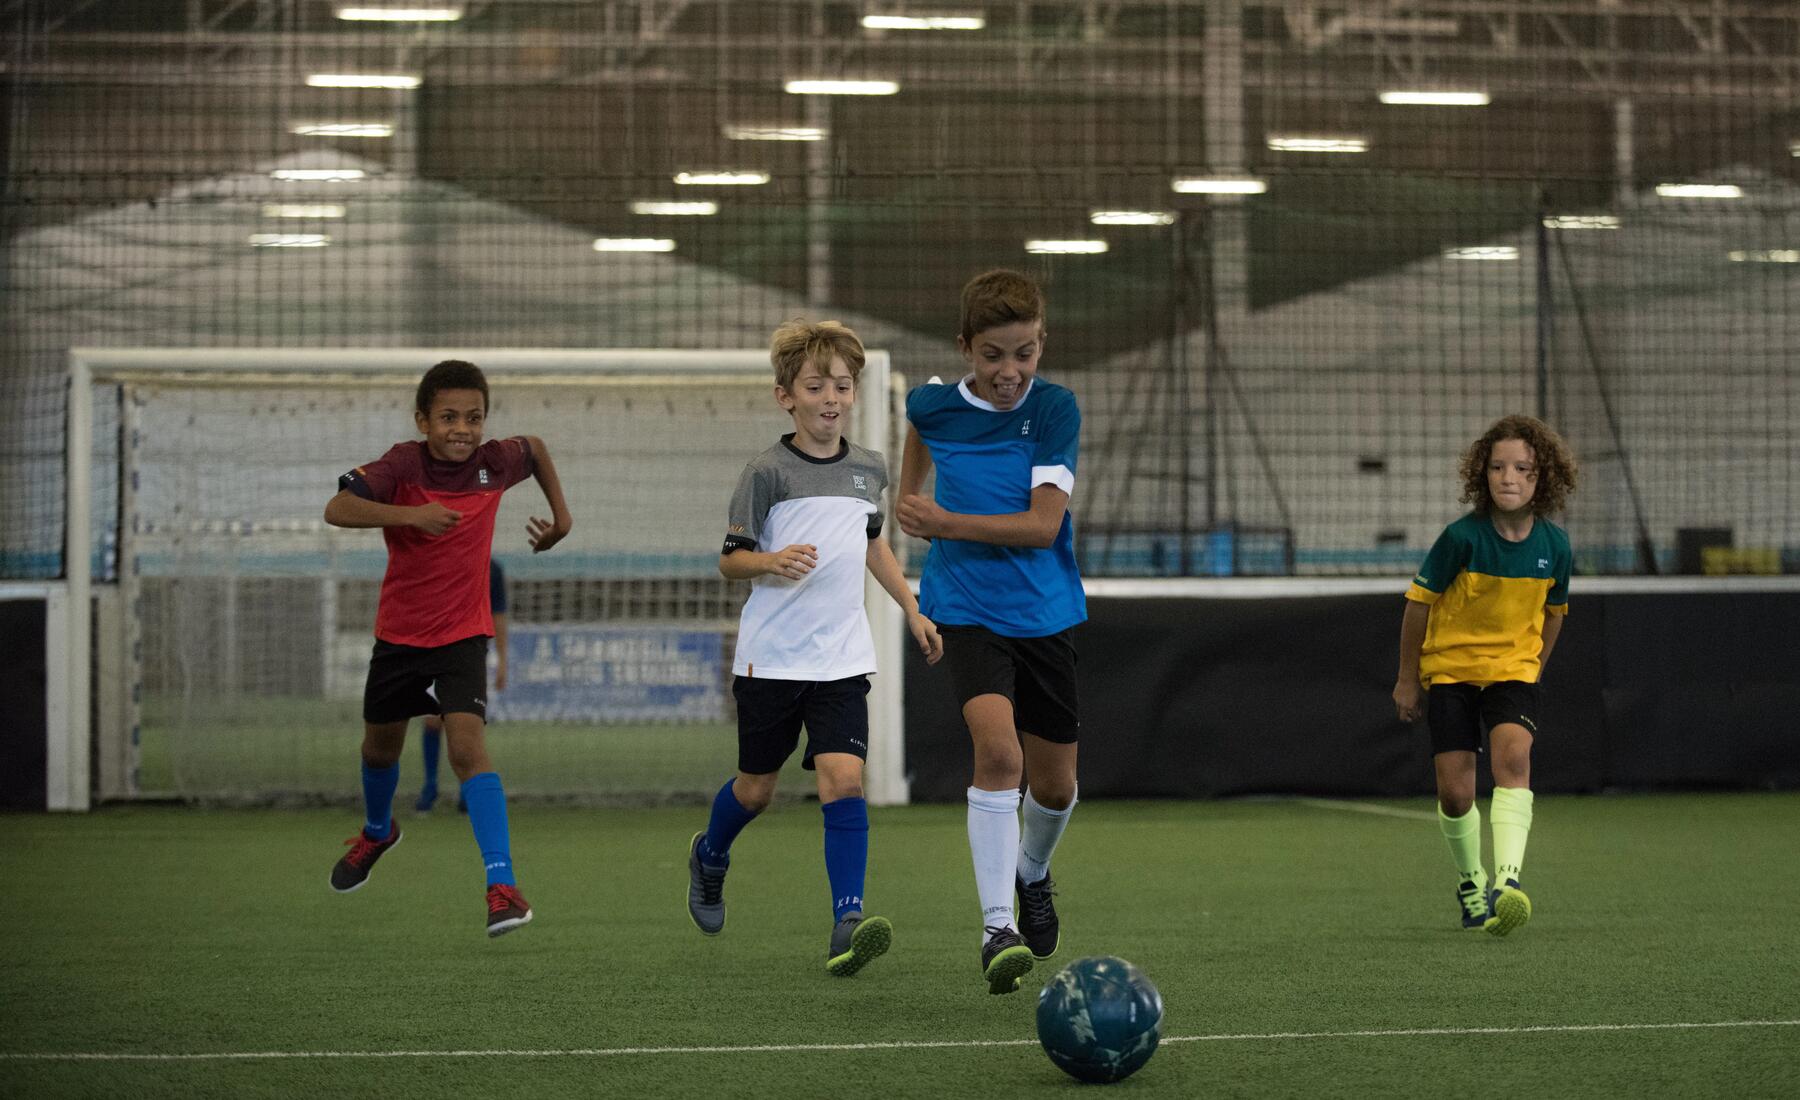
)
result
[(451, 374)]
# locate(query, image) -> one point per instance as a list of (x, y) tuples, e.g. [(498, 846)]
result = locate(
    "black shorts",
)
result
[(1458, 714), (1036, 674), (400, 674), (771, 712)]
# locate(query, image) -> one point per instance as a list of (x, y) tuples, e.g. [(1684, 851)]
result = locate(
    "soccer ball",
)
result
[(1099, 1019)]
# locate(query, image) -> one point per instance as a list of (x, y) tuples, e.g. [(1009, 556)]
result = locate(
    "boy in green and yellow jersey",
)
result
[(1482, 615)]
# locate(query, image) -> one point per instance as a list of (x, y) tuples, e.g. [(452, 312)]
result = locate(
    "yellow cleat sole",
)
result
[(1005, 969), (869, 942), (1511, 910)]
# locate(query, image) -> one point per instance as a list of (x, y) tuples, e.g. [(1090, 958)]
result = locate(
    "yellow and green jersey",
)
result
[(1488, 598)]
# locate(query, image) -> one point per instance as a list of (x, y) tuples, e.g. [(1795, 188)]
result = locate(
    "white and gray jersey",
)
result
[(813, 628)]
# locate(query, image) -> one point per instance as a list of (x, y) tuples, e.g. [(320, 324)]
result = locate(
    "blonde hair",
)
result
[(999, 297), (799, 342)]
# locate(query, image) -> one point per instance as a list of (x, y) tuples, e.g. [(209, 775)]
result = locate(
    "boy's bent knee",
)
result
[(755, 792), (1455, 803)]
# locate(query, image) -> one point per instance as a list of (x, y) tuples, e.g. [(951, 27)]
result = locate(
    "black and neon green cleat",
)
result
[(1473, 898), (1004, 960), (1511, 909), (856, 942)]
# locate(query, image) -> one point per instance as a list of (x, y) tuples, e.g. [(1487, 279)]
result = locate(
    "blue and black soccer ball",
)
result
[(1099, 1019)]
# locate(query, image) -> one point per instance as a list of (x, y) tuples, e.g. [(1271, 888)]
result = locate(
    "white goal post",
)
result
[(657, 393)]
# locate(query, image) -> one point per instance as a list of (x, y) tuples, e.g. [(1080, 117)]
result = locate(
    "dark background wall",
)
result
[(1215, 697), (22, 702)]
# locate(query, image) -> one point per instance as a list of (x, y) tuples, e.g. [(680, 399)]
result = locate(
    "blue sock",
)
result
[(378, 799), (846, 853), (432, 743), (486, 800), (728, 820)]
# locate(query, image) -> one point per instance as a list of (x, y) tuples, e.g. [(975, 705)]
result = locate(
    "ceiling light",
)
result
[(362, 80), (775, 133), (1297, 143), (841, 87), (1064, 248), (1436, 99), (302, 210), (633, 244), (1131, 217), (438, 14), (1482, 252), (924, 22), (1205, 185), (289, 240), (1581, 221), (319, 175), (1766, 256), (1699, 190), (343, 129), (675, 209), (721, 179)]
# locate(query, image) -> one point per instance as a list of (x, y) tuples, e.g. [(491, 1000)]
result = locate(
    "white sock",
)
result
[(994, 844), (1041, 829)]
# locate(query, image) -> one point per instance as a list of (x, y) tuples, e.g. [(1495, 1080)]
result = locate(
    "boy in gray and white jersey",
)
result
[(804, 523)]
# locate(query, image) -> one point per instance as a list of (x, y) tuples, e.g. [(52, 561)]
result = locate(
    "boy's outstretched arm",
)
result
[(349, 510), (885, 568), (1409, 696), (1036, 528), (545, 533)]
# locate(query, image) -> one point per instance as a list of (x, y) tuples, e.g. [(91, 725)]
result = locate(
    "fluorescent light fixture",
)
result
[(841, 87), (1318, 143), (775, 133), (289, 240), (1699, 190), (1794, 147), (362, 80), (437, 14), (1581, 221), (1422, 26), (1482, 252), (1766, 256), (675, 209), (1065, 248), (633, 244), (924, 22), (319, 175), (302, 210), (1436, 99), (342, 129), (721, 179), (1205, 185), (1131, 217)]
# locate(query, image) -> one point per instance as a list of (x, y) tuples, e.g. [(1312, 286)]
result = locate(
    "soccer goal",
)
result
[(232, 626)]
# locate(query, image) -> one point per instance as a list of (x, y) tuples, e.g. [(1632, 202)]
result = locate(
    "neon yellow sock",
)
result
[(1511, 814), (1464, 835)]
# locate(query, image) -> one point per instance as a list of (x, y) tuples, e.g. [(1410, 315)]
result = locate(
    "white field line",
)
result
[(1362, 808), (809, 1048)]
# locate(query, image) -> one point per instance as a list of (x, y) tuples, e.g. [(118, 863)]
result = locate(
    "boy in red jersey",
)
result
[(435, 501)]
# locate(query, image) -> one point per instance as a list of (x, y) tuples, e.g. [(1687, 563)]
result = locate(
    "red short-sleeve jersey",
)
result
[(436, 588)]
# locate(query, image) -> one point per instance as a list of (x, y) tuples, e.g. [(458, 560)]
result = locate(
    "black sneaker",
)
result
[(507, 909), (352, 870), (1004, 960), (856, 942), (706, 891), (1037, 917)]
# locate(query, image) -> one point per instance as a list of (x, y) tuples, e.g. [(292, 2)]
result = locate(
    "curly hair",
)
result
[(1556, 468)]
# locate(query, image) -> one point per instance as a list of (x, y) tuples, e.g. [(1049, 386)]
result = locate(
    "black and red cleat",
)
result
[(353, 869), (507, 909)]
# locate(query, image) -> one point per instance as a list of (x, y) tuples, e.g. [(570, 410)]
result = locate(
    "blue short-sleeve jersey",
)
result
[(988, 461)]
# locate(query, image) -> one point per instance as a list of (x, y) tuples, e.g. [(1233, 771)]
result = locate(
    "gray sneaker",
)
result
[(856, 942), (706, 891)]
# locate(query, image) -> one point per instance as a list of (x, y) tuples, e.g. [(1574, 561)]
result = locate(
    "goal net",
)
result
[(234, 625)]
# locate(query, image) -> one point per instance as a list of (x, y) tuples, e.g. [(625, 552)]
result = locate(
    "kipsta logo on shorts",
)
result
[(481, 476)]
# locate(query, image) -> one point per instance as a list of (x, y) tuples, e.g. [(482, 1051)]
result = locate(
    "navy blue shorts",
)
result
[(771, 712), (1459, 714)]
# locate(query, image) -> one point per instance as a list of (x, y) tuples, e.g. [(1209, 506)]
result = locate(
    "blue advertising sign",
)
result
[(572, 672)]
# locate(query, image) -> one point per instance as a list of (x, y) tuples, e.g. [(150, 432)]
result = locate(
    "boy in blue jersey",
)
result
[(431, 745), (1482, 616), (1001, 581), (805, 522)]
